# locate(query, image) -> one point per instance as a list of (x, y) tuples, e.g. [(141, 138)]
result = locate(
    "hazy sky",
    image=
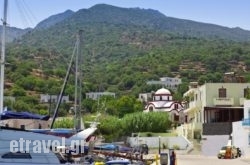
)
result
[(229, 13)]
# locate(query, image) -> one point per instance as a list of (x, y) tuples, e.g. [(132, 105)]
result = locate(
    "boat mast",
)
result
[(78, 86), (2, 62), (77, 103), (62, 90)]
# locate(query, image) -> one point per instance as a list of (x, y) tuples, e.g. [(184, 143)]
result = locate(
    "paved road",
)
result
[(203, 160)]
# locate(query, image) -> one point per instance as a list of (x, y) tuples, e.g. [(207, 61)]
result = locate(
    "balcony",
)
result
[(224, 101), (193, 105)]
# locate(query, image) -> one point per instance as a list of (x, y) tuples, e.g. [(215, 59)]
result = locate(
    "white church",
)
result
[(163, 102)]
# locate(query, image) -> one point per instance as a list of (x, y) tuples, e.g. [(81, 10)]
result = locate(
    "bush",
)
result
[(149, 134), (176, 147)]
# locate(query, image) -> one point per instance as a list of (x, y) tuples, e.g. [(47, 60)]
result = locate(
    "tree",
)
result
[(88, 105), (110, 128), (20, 106), (125, 105), (18, 91)]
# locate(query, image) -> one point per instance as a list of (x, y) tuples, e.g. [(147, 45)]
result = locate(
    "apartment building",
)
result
[(211, 110)]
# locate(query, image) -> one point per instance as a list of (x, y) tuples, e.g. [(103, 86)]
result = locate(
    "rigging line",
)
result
[(58, 52), (25, 13), (30, 11), (64, 85), (60, 55), (22, 15)]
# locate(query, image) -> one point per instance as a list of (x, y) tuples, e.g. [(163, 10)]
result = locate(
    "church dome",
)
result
[(163, 91)]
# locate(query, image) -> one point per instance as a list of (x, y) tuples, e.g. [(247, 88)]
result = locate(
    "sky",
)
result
[(228, 13)]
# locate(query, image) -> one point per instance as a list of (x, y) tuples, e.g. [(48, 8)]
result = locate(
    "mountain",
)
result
[(149, 18), (14, 33), (155, 20), (125, 47), (52, 20)]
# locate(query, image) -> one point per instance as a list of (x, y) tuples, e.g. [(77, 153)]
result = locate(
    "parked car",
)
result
[(228, 152), (142, 149)]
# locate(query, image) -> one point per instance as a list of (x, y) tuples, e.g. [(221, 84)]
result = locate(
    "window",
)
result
[(16, 155), (222, 92)]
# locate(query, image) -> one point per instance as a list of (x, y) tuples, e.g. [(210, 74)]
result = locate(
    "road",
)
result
[(203, 160)]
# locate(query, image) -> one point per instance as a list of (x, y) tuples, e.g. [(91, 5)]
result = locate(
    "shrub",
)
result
[(176, 147)]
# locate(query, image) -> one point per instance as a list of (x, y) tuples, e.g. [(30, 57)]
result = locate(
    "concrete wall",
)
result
[(153, 142), (211, 144), (240, 138)]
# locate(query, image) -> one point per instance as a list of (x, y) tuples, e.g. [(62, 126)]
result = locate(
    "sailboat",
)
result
[(78, 124), (19, 146)]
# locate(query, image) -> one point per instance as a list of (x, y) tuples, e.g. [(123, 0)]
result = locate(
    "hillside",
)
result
[(13, 33), (125, 47), (54, 19)]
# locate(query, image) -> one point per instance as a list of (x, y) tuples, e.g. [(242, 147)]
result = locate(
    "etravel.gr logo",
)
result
[(45, 146)]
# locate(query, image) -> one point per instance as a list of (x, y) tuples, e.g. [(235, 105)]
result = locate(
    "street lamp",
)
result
[(159, 145)]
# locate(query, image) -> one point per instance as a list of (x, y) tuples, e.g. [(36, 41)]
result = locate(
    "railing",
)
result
[(223, 101)]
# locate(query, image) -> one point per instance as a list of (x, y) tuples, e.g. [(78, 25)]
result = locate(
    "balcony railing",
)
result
[(224, 101)]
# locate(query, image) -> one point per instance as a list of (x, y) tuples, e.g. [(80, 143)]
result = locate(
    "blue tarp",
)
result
[(22, 115), (113, 147)]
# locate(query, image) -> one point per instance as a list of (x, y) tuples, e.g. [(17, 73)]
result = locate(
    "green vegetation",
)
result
[(122, 49), (112, 128)]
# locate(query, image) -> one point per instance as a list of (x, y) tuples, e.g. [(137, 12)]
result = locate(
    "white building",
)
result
[(97, 95), (163, 102), (145, 97), (46, 98), (241, 131), (168, 82)]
